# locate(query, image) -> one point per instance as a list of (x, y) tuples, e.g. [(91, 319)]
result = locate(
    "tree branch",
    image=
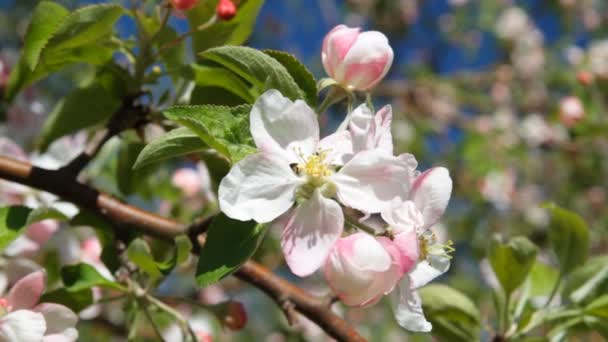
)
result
[(124, 216)]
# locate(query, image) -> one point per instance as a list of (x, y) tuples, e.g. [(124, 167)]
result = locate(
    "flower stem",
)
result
[(554, 290)]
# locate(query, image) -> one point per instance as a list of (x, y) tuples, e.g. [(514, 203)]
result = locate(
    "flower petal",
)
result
[(367, 61), (371, 180), (371, 131), (59, 318), (308, 236), (70, 335), (431, 192), (27, 291), (339, 147), (22, 246), (22, 326), (260, 187), (403, 216), (336, 45), (407, 308), (429, 269), (277, 122)]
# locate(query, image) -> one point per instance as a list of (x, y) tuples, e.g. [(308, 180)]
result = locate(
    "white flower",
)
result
[(293, 165)]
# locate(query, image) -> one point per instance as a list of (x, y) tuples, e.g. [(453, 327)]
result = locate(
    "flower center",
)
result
[(429, 246), (316, 166)]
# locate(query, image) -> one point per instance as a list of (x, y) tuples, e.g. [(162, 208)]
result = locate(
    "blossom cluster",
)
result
[(308, 187)]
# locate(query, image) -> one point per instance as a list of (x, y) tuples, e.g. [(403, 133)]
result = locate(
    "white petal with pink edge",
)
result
[(59, 319), (27, 291), (431, 192), (371, 181), (407, 308), (310, 233)]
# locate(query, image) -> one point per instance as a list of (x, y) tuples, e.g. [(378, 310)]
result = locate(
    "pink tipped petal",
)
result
[(431, 192), (59, 319), (277, 123), (69, 336), (308, 237), (41, 232), (188, 181), (360, 122), (367, 61), (407, 308), (336, 45), (369, 254), (371, 180), (383, 138), (10, 149), (27, 291), (260, 187), (407, 244), (339, 147), (371, 131)]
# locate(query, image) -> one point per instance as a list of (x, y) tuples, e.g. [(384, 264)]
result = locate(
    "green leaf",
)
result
[(512, 261), (453, 315), (128, 179), (259, 69), (598, 308), (229, 244), (83, 36), (75, 300), (183, 247), (233, 32), (569, 237), (13, 221), (84, 107), (86, 25), (84, 276), (211, 76), (303, 77), (46, 20), (585, 281), (45, 213), (139, 253), (175, 143), (225, 129), (542, 279)]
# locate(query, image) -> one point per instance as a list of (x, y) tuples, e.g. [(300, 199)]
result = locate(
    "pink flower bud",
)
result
[(204, 336), (184, 5), (356, 60), (41, 232), (188, 181), (91, 249), (225, 10), (584, 77), (361, 269), (571, 110)]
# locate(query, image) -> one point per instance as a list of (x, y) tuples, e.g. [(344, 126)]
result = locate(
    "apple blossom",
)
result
[(293, 166), (571, 110), (513, 23), (36, 235), (356, 60), (361, 269), (371, 131), (22, 319)]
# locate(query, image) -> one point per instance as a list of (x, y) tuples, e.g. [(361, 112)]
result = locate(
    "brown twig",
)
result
[(125, 216)]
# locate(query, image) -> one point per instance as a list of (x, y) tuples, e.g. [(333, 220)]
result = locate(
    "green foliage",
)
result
[(13, 221), (46, 20), (75, 300), (223, 128), (56, 39), (453, 315), (233, 32), (129, 179), (105, 234), (229, 244), (542, 279), (84, 276), (303, 77), (177, 142), (45, 213), (87, 106), (213, 76), (587, 282), (569, 238), (259, 69), (140, 254), (512, 261)]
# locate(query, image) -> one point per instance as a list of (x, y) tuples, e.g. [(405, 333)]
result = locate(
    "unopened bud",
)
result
[(184, 5), (584, 78), (225, 10)]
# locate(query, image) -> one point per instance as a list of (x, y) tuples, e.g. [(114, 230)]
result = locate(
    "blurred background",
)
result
[(508, 95)]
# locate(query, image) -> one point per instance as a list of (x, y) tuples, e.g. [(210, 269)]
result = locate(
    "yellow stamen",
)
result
[(316, 166)]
